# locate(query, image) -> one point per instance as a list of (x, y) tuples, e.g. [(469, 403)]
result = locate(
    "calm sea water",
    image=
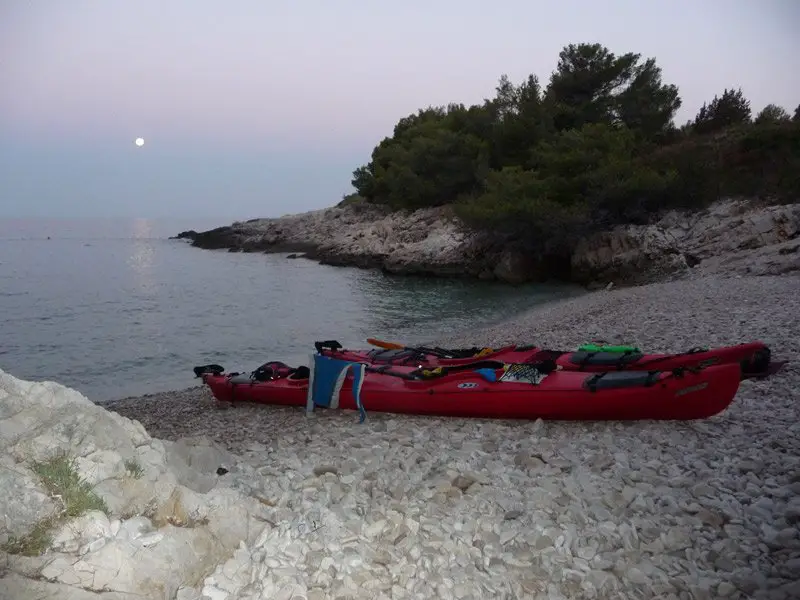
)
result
[(113, 308)]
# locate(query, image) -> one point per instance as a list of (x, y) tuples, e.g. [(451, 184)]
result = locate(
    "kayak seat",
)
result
[(301, 372), (392, 356), (606, 359), (611, 380)]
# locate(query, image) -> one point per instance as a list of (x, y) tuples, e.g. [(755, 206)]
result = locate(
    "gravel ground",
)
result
[(412, 507)]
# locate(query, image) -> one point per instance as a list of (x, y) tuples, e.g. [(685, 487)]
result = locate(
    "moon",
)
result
[(139, 142)]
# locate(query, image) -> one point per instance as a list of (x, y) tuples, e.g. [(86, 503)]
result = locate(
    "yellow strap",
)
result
[(430, 372)]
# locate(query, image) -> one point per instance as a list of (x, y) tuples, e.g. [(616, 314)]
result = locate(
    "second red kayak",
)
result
[(753, 358)]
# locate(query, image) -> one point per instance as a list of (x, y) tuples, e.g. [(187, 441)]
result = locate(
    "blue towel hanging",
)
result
[(326, 379)]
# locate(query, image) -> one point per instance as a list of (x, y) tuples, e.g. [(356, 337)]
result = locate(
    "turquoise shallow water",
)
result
[(114, 308)]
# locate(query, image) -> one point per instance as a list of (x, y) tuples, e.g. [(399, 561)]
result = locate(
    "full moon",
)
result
[(139, 141)]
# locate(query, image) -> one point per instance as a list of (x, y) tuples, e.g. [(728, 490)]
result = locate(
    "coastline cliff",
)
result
[(736, 236)]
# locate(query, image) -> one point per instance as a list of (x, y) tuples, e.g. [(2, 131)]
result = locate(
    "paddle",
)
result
[(334, 346), (385, 345), (448, 353), (439, 352)]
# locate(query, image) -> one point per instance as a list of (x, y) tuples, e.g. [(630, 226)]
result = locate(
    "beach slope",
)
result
[(423, 507)]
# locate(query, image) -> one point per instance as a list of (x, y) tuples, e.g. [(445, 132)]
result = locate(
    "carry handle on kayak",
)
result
[(214, 369), (329, 344)]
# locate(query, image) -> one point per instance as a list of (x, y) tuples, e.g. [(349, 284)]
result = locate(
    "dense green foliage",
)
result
[(596, 146)]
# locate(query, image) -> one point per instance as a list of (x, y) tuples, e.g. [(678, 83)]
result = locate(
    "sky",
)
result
[(259, 108)]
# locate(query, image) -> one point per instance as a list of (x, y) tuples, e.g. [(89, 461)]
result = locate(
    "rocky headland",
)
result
[(738, 236), (176, 496)]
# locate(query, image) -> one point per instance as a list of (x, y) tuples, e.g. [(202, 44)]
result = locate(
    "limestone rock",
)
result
[(16, 587), (730, 236), (429, 241), (158, 535), (518, 266), (196, 460), (22, 501)]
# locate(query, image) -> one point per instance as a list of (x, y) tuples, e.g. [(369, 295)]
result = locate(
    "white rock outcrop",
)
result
[(170, 520), (429, 241), (733, 237)]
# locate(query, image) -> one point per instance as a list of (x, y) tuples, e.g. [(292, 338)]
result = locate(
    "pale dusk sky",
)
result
[(261, 108)]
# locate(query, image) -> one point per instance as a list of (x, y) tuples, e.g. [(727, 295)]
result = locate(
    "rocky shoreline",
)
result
[(744, 237), (214, 502)]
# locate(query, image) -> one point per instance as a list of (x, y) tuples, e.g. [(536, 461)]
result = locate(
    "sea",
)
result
[(114, 308)]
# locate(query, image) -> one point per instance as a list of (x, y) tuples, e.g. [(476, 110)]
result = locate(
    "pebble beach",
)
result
[(419, 507)]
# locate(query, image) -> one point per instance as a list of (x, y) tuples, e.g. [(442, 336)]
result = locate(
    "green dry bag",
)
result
[(604, 348)]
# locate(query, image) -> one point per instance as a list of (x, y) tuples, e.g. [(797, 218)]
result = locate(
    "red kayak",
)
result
[(753, 358), (496, 390)]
